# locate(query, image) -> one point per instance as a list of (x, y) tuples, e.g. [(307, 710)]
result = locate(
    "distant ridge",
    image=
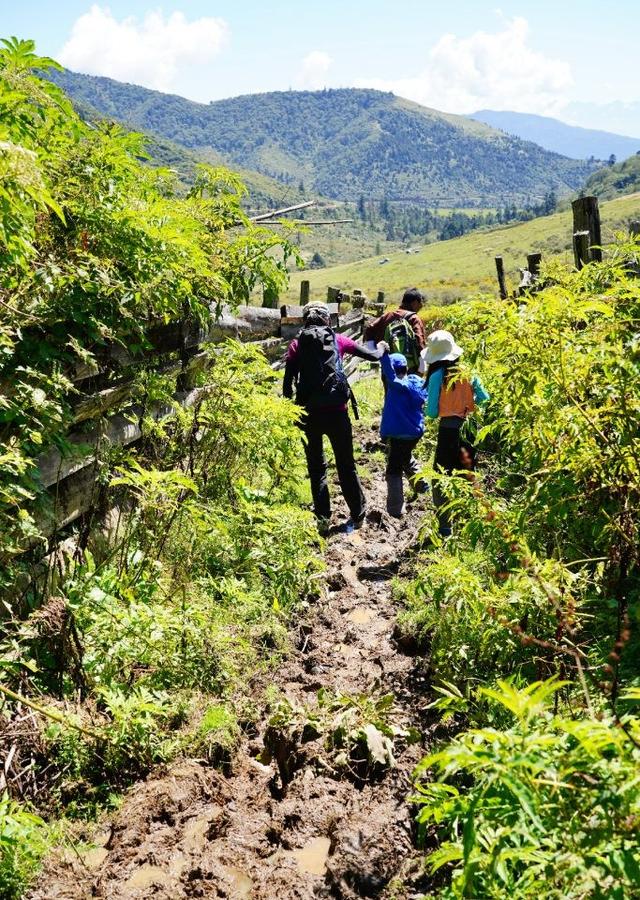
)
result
[(345, 143), (557, 136)]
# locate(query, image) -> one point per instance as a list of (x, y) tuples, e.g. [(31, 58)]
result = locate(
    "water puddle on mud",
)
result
[(360, 615), (195, 834), (94, 858), (241, 884), (312, 859), (148, 875)]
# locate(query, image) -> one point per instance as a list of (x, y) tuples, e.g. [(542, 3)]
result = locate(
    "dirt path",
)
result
[(298, 829)]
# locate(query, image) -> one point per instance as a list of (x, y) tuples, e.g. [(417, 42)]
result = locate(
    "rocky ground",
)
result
[(288, 819)]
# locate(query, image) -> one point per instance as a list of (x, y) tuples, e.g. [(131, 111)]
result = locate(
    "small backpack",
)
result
[(401, 338), (456, 399), (321, 377)]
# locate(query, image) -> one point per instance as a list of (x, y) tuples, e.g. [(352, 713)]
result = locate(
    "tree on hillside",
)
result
[(317, 262), (549, 203)]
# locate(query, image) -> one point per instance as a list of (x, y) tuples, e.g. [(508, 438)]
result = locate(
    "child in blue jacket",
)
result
[(402, 426)]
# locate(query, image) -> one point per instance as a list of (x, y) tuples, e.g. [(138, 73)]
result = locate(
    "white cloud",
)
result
[(496, 71), (147, 52), (313, 74)]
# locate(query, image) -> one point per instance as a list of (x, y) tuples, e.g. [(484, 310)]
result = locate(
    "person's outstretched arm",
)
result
[(387, 368), (347, 345)]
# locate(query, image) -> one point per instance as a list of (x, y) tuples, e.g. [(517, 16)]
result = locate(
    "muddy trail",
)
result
[(286, 819)]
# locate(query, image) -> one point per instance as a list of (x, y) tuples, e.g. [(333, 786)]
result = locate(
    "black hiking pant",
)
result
[(336, 425), (400, 461), (447, 459)]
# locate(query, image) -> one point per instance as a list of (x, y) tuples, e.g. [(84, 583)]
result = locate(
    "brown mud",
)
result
[(299, 829)]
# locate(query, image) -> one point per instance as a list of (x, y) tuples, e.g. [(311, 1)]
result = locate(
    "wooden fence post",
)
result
[(586, 217), (581, 248), (270, 298), (502, 283), (304, 292), (533, 263)]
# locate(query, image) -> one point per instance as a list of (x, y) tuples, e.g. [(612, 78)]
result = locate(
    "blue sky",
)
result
[(572, 59)]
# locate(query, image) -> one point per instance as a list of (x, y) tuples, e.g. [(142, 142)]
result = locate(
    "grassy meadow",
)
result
[(449, 270)]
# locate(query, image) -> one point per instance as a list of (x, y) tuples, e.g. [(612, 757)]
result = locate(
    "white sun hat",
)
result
[(440, 347)]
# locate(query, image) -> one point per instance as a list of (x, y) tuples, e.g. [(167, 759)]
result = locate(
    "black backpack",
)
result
[(321, 377)]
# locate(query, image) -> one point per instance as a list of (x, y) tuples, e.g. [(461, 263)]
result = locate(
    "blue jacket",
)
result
[(402, 413), (435, 385)]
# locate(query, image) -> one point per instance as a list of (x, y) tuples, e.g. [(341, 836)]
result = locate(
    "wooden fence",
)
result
[(587, 247), (105, 411)]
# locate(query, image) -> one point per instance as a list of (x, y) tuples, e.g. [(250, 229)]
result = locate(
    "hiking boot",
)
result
[(323, 526)]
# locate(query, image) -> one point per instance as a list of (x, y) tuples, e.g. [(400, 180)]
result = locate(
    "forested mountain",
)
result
[(552, 134), (613, 181), (345, 143), (263, 191)]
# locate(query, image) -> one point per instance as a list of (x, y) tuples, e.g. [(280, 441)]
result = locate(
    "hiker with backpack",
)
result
[(451, 397), (402, 329), (314, 366), (401, 426)]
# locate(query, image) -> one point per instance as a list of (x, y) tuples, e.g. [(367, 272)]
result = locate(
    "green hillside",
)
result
[(613, 181), (451, 269), (344, 143)]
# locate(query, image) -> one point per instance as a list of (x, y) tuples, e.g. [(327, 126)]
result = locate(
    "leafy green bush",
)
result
[(135, 732), (94, 248), (23, 840), (541, 579), (468, 616), (548, 807)]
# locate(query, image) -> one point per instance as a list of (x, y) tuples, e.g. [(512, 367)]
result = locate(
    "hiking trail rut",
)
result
[(191, 831)]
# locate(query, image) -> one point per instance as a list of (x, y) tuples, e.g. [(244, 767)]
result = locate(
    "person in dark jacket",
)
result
[(402, 426), (314, 366), (412, 302)]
